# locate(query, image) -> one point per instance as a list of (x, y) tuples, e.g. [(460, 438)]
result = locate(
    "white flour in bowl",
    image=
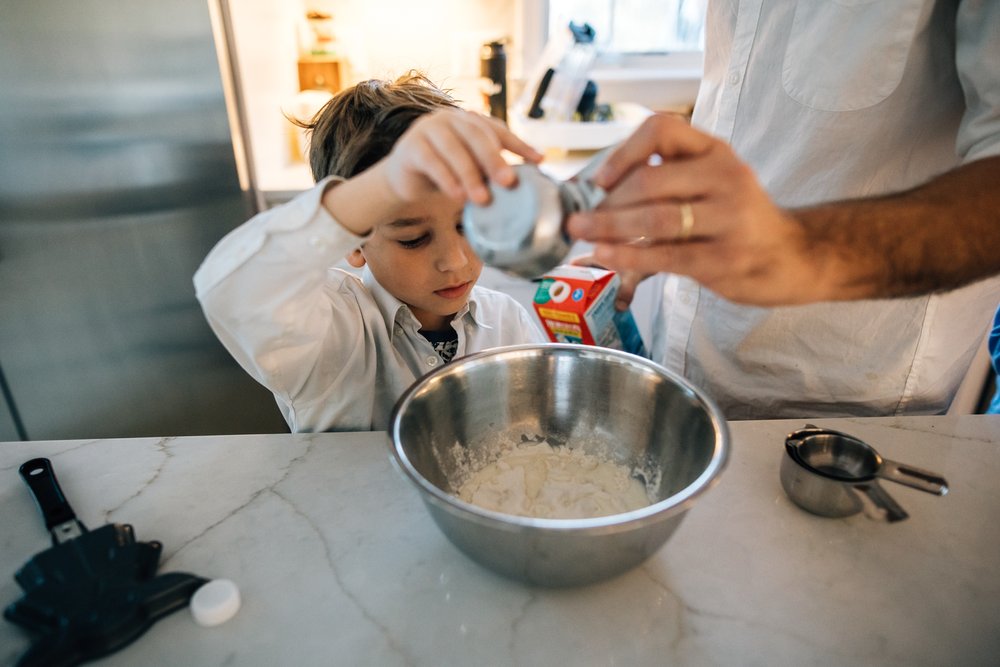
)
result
[(538, 480)]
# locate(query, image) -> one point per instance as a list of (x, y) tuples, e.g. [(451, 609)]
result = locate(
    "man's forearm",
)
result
[(936, 237)]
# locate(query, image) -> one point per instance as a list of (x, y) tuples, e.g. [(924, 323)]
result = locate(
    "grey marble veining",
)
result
[(339, 562)]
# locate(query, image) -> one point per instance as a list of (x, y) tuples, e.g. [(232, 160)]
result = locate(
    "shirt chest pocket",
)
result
[(844, 55)]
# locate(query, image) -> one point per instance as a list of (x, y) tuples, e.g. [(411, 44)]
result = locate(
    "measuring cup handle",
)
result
[(41, 479), (914, 477), (589, 194), (595, 162), (877, 503)]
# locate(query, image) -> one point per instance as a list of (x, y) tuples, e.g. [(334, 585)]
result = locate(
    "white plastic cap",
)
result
[(215, 602)]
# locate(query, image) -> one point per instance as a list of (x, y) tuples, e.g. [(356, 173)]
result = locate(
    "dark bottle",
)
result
[(493, 70)]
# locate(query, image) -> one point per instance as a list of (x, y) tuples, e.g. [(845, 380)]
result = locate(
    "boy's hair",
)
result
[(360, 125)]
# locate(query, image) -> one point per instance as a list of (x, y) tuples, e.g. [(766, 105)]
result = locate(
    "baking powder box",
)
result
[(576, 304)]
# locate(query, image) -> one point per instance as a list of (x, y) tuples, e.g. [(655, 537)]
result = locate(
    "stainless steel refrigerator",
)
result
[(117, 175)]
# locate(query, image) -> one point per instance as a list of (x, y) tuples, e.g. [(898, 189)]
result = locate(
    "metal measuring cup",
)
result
[(833, 474), (522, 229)]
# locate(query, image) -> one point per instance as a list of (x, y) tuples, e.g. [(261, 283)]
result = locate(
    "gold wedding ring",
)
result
[(687, 221)]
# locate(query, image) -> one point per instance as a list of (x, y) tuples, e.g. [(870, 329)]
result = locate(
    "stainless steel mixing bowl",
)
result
[(616, 405)]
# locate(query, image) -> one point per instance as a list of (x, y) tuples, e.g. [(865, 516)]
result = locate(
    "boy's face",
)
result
[(424, 261)]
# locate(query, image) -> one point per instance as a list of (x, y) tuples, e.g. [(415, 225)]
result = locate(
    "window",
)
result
[(630, 27), (649, 51)]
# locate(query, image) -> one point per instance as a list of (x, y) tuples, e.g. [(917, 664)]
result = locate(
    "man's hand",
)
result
[(735, 240), (680, 201)]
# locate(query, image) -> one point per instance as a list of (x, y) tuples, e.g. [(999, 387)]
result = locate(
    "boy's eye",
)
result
[(461, 228), (414, 243)]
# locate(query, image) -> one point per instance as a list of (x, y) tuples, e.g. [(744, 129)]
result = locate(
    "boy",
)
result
[(394, 163)]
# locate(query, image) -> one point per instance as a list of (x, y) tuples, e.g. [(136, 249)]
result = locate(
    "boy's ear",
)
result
[(356, 258)]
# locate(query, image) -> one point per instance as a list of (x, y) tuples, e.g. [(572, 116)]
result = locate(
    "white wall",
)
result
[(379, 40)]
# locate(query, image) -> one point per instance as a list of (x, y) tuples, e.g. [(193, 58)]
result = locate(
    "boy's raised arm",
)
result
[(451, 151)]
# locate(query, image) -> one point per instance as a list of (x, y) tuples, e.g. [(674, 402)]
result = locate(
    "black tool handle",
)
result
[(535, 110), (41, 479)]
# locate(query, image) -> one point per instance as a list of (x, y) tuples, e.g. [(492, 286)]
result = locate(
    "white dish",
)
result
[(571, 136)]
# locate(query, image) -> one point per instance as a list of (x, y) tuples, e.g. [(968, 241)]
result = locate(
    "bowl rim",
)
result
[(674, 504)]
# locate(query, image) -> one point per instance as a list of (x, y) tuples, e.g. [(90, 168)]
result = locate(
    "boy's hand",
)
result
[(454, 152)]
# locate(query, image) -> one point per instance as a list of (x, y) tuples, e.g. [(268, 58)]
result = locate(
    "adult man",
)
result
[(874, 132)]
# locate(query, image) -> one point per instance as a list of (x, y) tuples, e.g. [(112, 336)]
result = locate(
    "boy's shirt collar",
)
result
[(395, 311)]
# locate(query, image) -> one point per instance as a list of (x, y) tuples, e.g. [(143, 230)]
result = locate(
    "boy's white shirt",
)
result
[(336, 350)]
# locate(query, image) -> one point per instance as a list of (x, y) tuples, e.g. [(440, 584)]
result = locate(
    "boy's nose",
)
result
[(453, 256)]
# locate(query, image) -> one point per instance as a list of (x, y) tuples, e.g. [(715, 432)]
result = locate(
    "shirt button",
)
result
[(734, 78), (433, 360)]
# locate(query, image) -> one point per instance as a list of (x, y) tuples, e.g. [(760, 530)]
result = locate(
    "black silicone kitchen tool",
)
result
[(94, 591)]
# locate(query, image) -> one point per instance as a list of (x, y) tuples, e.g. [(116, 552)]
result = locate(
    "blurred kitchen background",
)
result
[(134, 135), (289, 56)]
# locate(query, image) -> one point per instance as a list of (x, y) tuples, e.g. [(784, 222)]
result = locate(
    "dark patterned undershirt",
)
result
[(445, 342)]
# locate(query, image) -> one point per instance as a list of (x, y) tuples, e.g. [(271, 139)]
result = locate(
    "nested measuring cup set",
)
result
[(834, 474)]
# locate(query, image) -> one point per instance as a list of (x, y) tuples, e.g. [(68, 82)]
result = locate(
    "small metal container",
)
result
[(833, 474), (521, 230)]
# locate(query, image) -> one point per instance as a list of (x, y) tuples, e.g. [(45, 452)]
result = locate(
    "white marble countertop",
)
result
[(339, 562)]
